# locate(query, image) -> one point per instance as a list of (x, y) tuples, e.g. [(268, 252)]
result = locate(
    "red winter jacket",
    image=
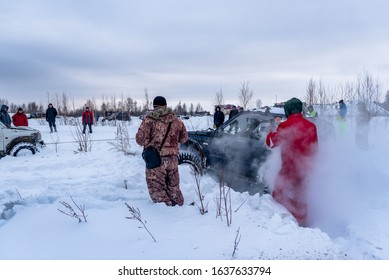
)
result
[(20, 119), (87, 117), (297, 138)]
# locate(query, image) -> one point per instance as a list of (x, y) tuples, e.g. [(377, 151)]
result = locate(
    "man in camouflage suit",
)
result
[(163, 181)]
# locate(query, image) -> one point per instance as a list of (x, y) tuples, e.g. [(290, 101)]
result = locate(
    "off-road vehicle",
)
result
[(19, 140), (234, 152), (118, 116)]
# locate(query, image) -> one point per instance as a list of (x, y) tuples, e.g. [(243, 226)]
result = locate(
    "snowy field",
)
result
[(349, 192)]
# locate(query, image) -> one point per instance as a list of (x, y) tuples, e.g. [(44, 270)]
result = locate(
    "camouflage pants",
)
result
[(163, 182)]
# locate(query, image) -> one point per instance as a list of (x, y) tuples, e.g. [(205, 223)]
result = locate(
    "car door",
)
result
[(241, 145)]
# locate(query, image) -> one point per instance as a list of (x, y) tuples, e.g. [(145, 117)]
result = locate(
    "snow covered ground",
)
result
[(349, 190)]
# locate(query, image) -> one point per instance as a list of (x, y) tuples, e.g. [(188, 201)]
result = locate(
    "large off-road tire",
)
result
[(194, 160), (23, 148)]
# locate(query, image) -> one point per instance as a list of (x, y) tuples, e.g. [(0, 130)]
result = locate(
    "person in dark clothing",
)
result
[(342, 110), (4, 116), (87, 119), (234, 111), (218, 117), (51, 114)]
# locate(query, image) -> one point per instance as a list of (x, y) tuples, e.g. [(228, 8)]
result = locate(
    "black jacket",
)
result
[(218, 118), (51, 113)]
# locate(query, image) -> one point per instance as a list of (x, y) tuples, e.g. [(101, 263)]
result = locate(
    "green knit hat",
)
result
[(293, 106)]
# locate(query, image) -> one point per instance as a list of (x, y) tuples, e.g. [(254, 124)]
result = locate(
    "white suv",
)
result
[(13, 140)]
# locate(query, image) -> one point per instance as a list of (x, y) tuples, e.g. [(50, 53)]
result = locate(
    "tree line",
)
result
[(366, 88)]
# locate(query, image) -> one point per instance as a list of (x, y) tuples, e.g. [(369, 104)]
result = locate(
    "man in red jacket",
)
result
[(87, 119), (297, 138), (20, 118)]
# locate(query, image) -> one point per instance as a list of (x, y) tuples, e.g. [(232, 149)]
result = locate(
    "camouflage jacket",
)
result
[(154, 127)]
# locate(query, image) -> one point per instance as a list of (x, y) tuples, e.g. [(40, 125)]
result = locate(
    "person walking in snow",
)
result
[(362, 126), (218, 117), (163, 182), (4, 116), (20, 118), (51, 114), (87, 120), (298, 141)]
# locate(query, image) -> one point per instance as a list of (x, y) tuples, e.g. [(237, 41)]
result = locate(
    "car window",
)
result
[(262, 130), (243, 126)]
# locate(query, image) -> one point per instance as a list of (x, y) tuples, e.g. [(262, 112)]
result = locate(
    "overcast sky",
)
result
[(188, 50)]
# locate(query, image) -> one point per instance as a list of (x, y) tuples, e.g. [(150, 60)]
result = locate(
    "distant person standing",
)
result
[(312, 113), (20, 118), (87, 120), (51, 114), (362, 126), (341, 117), (4, 116), (234, 125), (234, 111), (342, 113), (218, 117)]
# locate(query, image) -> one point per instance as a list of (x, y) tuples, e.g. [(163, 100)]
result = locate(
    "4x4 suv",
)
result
[(119, 116), (13, 140), (236, 150)]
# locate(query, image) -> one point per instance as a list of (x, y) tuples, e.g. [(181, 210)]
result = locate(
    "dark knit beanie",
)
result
[(293, 106), (159, 101)]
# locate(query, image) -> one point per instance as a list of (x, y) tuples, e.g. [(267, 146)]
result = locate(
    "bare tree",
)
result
[(91, 103), (48, 98), (369, 89), (191, 109), (258, 103), (113, 102), (122, 140), (219, 98), (199, 108), (321, 93), (310, 95), (4, 101), (245, 95), (146, 105), (65, 107), (84, 140), (104, 104), (57, 102)]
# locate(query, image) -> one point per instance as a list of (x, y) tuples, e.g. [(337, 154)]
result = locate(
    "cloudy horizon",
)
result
[(187, 51)]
